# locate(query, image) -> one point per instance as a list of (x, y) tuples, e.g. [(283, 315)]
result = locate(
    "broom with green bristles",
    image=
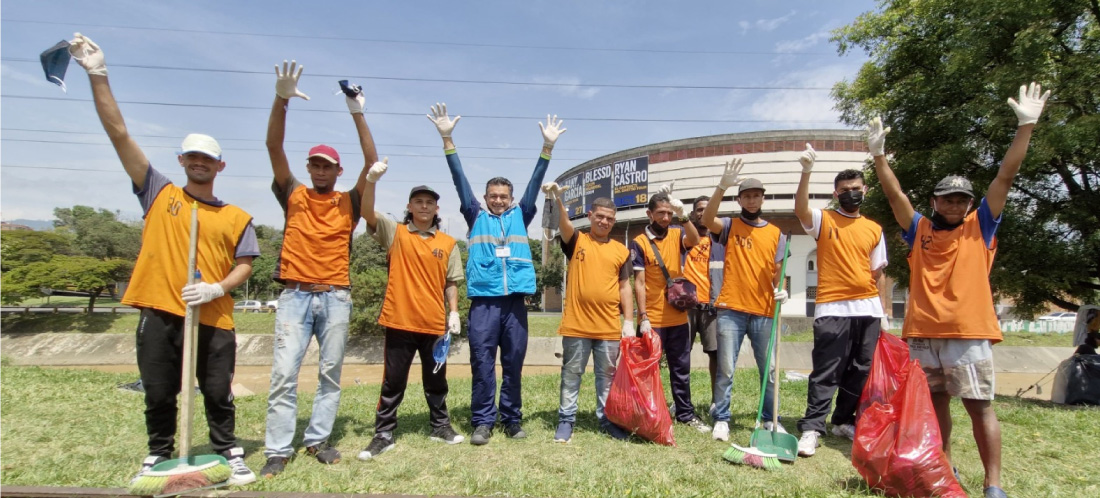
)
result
[(188, 472)]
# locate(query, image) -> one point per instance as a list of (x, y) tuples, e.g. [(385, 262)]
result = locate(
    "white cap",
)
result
[(203, 144)]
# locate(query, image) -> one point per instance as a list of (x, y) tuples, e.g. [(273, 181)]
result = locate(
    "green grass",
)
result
[(1043, 446), (67, 302)]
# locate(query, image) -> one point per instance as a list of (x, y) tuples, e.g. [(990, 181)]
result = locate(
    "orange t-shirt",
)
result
[(751, 252), (844, 247), (697, 268), (949, 293), (317, 239), (161, 269), (418, 275), (661, 313), (592, 287)]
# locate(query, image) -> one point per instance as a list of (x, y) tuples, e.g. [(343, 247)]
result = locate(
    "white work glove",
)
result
[(807, 158), (377, 170), (88, 55), (1030, 105), (677, 206), (454, 323), (286, 81), (876, 137), (645, 326), (356, 104), (886, 323), (780, 296), (628, 329), (667, 188), (729, 176), (552, 190), (551, 131), (444, 124), (201, 292)]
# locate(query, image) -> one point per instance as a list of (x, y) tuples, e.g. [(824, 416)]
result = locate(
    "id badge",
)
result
[(504, 252)]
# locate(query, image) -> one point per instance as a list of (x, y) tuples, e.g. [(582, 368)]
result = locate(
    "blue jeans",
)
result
[(733, 326), (301, 316), (574, 360)]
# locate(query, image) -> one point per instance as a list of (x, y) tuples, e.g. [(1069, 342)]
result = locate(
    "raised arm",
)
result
[(899, 203), (565, 227), (90, 57), (690, 233), (1028, 109), (286, 87), (729, 179), (550, 134), (356, 104), (366, 208), (802, 195), (467, 200)]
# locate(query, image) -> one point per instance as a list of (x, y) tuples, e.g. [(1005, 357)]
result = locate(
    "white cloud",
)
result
[(764, 25), (569, 86), (802, 43), (794, 105)]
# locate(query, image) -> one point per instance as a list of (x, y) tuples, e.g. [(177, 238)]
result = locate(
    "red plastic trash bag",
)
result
[(897, 448), (637, 399), (890, 359)]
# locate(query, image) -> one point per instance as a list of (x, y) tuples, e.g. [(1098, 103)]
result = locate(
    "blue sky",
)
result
[(198, 54)]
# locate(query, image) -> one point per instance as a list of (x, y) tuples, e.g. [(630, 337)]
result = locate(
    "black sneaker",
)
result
[(447, 435), (147, 464), (324, 452), (275, 465), (613, 430), (481, 436), (515, 431), (381, 443)]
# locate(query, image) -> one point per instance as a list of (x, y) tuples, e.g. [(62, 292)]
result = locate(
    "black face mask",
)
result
[(658, 230), (850, 200), (940, 223), (751, 216)]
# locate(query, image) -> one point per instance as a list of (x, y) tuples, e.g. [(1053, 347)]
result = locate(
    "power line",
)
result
[(423, 42), (222, 139), (473, 82), (65, 142), (481, 116)]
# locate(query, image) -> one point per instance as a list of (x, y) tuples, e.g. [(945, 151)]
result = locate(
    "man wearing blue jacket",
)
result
[(499, 276)]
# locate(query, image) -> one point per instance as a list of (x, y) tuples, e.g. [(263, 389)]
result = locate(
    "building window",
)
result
[(811, 293), (810, 265)]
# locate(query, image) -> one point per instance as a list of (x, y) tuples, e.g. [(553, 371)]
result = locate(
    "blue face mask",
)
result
[(440, 350), (55, 61)]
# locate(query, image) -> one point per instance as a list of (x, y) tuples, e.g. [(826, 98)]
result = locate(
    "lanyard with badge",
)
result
[(502, 249)]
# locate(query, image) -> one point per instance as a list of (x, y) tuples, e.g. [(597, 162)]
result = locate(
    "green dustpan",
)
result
[(784, 446)]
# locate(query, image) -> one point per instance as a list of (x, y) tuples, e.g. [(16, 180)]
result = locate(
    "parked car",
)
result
[(1059, 316), (248, 305), (272, 305)]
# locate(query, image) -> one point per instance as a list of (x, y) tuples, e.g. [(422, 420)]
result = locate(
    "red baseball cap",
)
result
[(325, 152)]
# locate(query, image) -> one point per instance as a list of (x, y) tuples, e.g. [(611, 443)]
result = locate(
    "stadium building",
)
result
[(696, 165)]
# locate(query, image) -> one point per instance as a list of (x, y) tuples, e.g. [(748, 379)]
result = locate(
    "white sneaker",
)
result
[(721, 431), (241, 473), (780, 429), (845, 430), (808, 443)]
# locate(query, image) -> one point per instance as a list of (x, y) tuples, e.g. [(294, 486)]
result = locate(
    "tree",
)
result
[(550, 274), (260, 283), (22, 247), (939, 73), (99, 234), (78, 273)]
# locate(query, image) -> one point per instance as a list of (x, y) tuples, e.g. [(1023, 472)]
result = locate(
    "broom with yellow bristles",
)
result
[(188, 472)]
